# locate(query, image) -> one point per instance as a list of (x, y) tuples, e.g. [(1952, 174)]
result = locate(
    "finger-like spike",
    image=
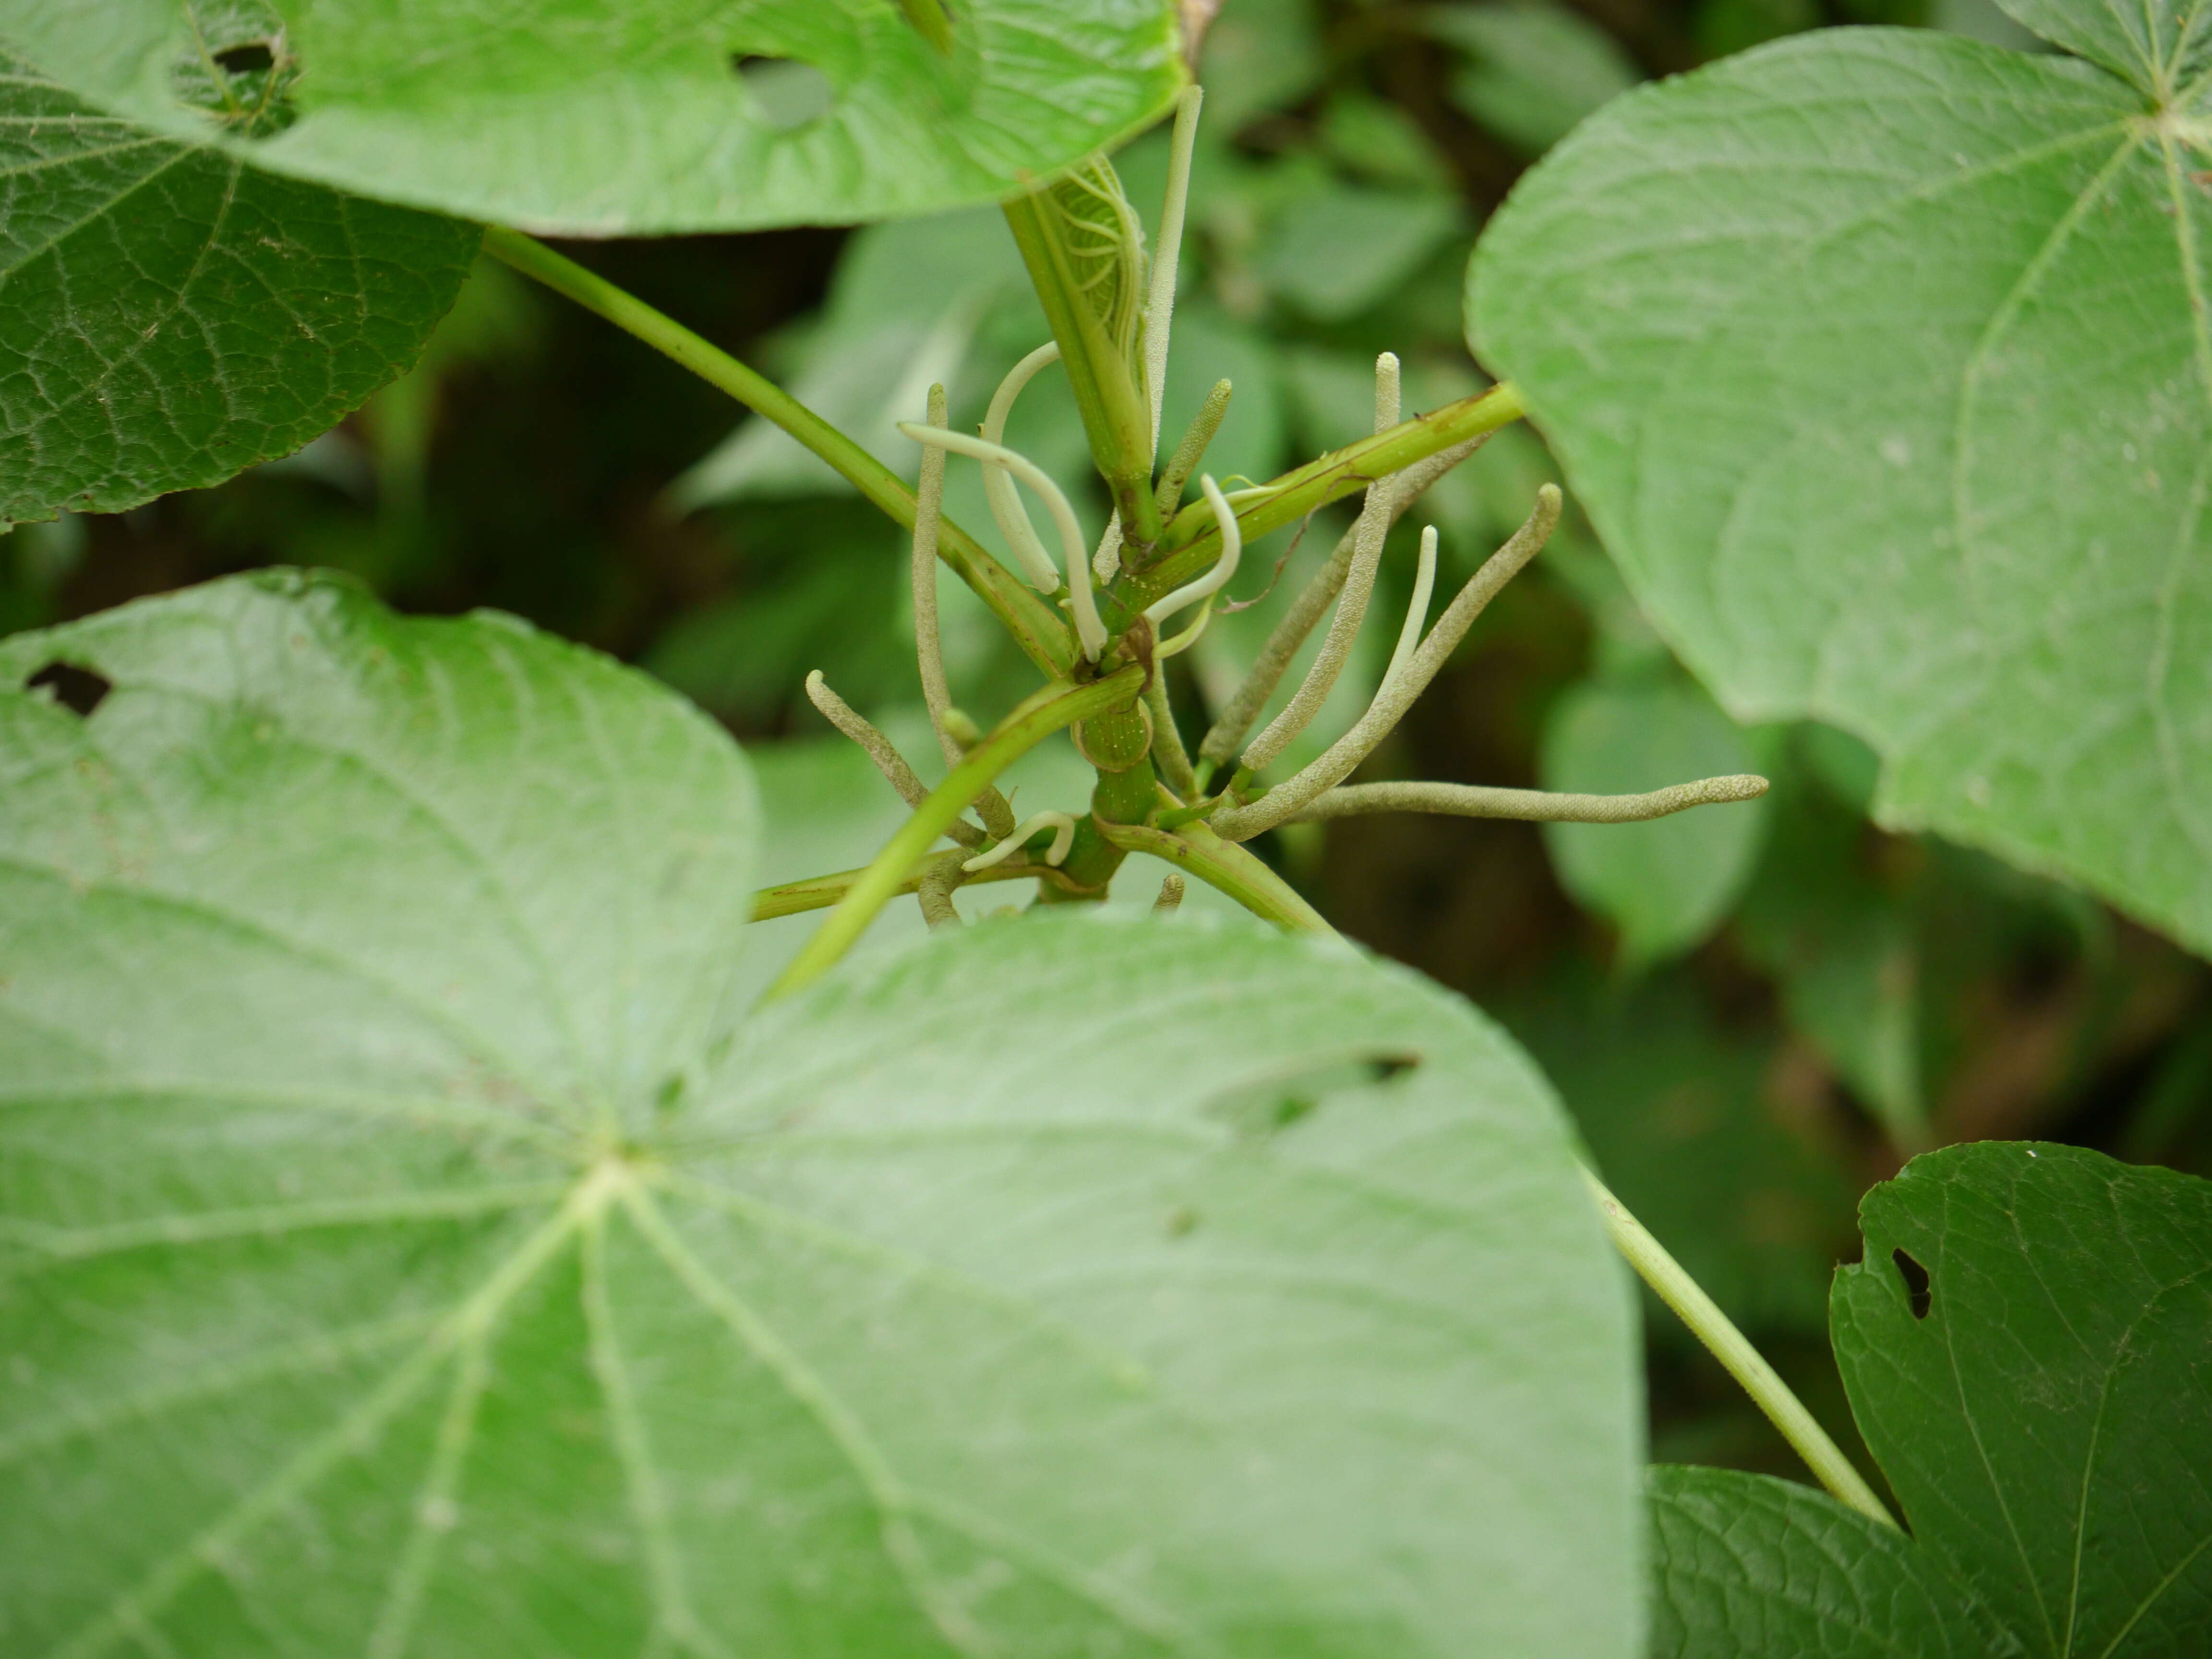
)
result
[(1082, 602), (1167, 253), (1188, 454), (1061, 825), (880, 749), (1232, 549), (1369, 535), (1397, 696), (1006, 502), (1283, 642), (1170, 894), (1417, 612), (1468, 801)]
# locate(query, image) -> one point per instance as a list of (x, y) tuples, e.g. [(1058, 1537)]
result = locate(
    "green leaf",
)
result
[(640, 116), (407, 1249), (169, 316), (1744, 1566), (1339, 249), (1538, 68), (2160, 46), (1666, 884), (2026, 1347), (1879, 360)]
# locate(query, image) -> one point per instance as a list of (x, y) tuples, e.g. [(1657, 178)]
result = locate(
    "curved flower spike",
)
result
[(1061, 825), (1232, 548), (1417, 613), (1006, 509), (1081, 600)]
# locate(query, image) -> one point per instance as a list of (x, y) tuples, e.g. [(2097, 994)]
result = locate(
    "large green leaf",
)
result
[(169, 316), (1880, 360), (1744, 1566), (638, 116), (407, 1248), (2028, 1345)]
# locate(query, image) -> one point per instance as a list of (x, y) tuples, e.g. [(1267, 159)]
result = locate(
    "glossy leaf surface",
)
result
[(641, 116), (168, 316), (407, 1246), (1880, 360)]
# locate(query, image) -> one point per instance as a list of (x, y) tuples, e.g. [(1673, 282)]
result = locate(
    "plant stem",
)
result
[(819, 892), (1733, 1349), (1114, 419), (1192, 542), (1224, 865), (1035, 626), (1036, 719)]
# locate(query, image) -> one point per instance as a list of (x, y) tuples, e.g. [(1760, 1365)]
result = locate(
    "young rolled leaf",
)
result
[(168, 316), (1882, 360), (1744, 1566), (629, 117), (407, 1248), (2026, 1348)]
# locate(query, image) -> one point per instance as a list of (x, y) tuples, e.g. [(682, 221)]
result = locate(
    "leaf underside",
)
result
[(1882, 361), (646, 116), (2027, 1346), (169, 316), (405, 1247)]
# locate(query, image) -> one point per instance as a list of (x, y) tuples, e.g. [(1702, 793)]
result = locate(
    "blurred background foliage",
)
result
[(1754, 1012)]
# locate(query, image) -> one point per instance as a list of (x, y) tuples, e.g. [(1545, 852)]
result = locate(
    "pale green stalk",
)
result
[(1222, 865), (1167, 252), (1733, 1349), (1416, 610), (880, 749), (1039, 630)]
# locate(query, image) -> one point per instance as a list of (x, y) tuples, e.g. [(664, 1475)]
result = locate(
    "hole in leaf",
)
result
[(1919, 1290), (251, 58), (1268, 1106), (77, 690), (784, 92), (239, 69)]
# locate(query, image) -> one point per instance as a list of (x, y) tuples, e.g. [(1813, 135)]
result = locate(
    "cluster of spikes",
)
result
[(1106, 241)]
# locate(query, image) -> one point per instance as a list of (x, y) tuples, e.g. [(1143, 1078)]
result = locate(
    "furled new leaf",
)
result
[(1744, 1566), (405, 1246), (1880, 360), (2028, 1345), (636, 116), (168, 316)]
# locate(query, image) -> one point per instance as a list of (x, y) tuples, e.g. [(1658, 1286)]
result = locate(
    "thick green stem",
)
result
[(1036, 627), (1115, 418), (1224, 865), (1733, 1349), (1193, 542), (1036, 719)]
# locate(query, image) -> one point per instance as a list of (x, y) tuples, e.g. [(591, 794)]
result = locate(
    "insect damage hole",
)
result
[(252, 57), (784, 92), (1919, 1290), (77, 690)]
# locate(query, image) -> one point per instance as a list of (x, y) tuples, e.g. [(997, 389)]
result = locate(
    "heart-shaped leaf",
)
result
[(168, 316), (1882, 361), (405, 1247), (1744, 1566), (2027, 1346), (634, 116)]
